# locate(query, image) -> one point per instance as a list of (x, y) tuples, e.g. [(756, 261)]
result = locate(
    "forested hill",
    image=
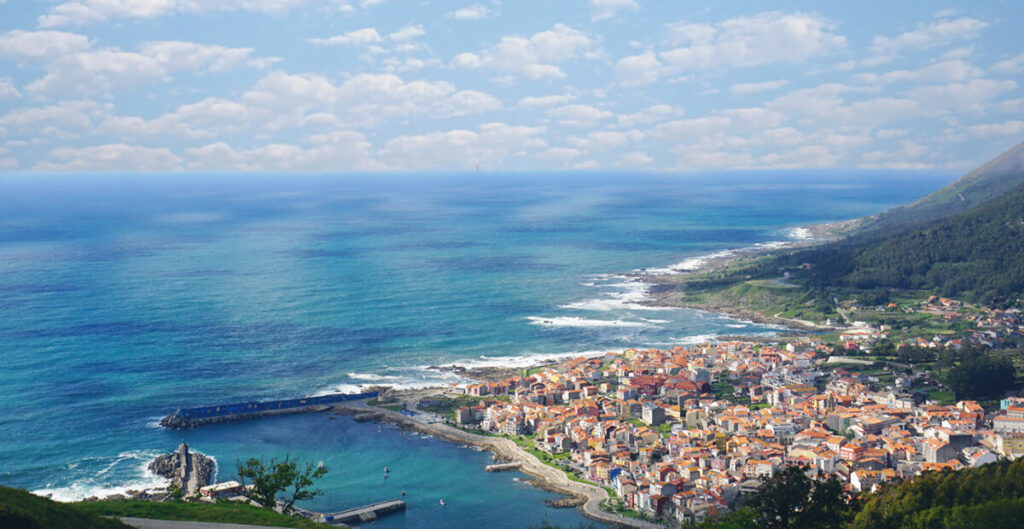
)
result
[(977, 256), (988, 182)]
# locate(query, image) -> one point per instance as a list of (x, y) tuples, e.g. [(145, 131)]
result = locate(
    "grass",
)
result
[(222, 512), (942, 397), (392, 407), (20, 508)]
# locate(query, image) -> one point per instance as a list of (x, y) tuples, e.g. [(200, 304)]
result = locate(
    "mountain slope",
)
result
[(977, 255), (977, 187)]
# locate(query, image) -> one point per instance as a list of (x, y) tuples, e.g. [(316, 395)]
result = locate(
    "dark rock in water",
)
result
[(569, 501)]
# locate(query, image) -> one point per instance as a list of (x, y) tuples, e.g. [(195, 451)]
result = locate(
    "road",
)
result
[(148, 523)]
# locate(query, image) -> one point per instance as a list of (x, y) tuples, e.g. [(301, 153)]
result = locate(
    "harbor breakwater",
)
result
[(185, 418)]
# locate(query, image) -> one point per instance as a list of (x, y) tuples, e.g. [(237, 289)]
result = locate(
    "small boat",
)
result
[(386, 470), (443, 503), (403, 493)]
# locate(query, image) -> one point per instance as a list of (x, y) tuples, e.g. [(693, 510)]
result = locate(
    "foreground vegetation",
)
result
[(20, 509), (221, 512), (990, 497)]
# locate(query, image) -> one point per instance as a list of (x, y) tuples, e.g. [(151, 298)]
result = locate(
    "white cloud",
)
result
[(359, 37), (474, 12), (930, 35), (32, 45), (1013, 65), (106, 70), (764, 38), (534, 58), (80, 12), (754, 88), (67, 119), (649, 115), (326, 152), (940, 72), (603, 9), (561, 154), (408, 33), (111, 157), (486, 147), (973, 96), (361, 100), (635, 159), (641, 69), (8, 90), (204, 119), (579, 115), (605, 140), (545, 101), (182, 56), (1005, 128)]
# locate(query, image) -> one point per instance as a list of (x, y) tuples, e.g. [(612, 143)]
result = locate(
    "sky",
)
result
[(390, 85)]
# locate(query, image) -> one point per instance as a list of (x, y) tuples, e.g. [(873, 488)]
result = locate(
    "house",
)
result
[(652, 414), (228, 489)]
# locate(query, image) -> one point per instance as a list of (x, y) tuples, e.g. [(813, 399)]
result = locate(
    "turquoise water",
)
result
[(123, 298)]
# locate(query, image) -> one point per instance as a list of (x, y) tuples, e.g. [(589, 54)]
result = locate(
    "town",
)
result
[(680, 434)]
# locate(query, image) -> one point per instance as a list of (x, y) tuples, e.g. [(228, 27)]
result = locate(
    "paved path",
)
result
[(148, 523), (508, 449)]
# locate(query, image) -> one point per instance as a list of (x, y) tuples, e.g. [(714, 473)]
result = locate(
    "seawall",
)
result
[(185, 418)]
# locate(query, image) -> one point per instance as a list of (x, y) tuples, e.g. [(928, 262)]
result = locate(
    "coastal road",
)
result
[(508, 449)]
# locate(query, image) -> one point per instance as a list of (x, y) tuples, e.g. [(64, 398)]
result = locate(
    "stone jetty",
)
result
[(187, 470)]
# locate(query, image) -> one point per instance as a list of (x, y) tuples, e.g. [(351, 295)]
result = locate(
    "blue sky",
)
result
[(361, 85)]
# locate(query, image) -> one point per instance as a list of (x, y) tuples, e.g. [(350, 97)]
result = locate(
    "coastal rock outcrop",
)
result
[(187, 470)]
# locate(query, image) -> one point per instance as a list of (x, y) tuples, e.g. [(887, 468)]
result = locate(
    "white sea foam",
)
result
[(695, 339), (628, 294), (523, 361), (375, 377), (800, 233), (691, 264), (736, 325), (573, 321), (94, 485)]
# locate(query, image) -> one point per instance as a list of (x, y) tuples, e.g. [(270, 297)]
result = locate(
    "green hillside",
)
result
[(977, 256), (20, 509)]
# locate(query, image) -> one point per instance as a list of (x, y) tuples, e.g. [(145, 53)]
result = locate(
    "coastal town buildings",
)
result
[(682, 433)]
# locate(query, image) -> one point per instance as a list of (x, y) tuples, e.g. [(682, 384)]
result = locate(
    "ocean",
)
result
[(125, 297)]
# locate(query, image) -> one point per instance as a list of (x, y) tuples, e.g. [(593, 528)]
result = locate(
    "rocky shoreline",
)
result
[(485, 374)]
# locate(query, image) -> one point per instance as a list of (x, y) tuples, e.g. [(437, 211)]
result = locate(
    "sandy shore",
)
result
[(507, 450)]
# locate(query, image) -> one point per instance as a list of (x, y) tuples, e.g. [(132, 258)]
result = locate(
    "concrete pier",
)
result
[(185, 418), (365, 513), (504, 466)]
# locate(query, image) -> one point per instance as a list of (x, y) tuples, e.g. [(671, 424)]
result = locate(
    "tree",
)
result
[(981, 375), (270, 478), (792, 500)]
